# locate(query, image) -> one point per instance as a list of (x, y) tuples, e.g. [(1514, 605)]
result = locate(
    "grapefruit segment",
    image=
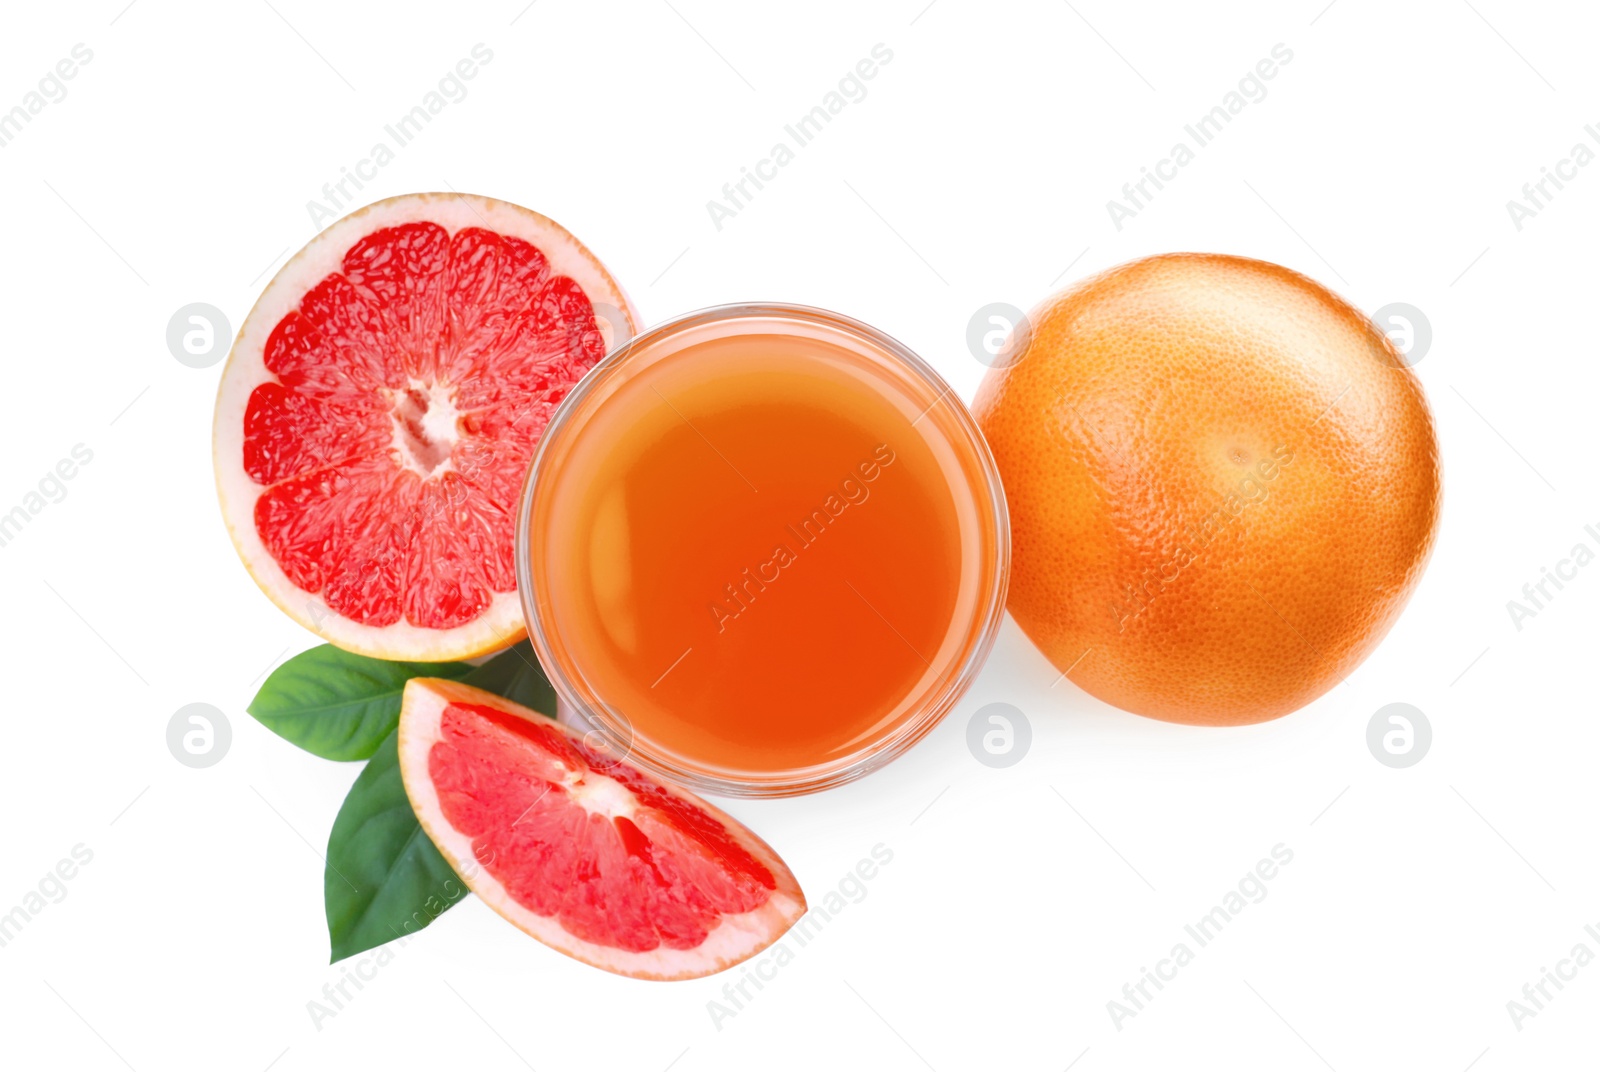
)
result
[(589, 855), (380, 407)]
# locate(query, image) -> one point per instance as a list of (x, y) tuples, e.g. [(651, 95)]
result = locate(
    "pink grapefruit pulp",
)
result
[(379, 409), (584, 851)]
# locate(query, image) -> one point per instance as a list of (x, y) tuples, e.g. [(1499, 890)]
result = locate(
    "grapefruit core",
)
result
[(379, 409), (584, 851)]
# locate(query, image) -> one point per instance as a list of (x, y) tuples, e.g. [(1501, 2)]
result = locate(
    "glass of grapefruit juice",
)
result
[(762, 549)]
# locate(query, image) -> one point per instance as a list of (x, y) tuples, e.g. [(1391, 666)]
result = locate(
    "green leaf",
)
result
[(337, 705), (516, 675), (385, 879)]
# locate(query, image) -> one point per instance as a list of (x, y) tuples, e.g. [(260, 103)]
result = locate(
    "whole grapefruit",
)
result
[(1223, 482)]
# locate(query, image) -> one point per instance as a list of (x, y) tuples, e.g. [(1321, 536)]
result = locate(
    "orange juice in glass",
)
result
[(763, 548)]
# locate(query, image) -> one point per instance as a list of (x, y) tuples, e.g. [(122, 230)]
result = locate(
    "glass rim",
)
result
[(980, 633)]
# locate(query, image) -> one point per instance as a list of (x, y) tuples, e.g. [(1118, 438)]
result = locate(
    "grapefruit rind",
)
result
[(1110, 506), (735, 938), (501, 624)]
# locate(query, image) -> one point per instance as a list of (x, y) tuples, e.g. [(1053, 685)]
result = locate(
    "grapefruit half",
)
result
[(379, 409), (583, 851)]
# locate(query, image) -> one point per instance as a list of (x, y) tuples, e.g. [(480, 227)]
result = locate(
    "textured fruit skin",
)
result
[(1223, 483)]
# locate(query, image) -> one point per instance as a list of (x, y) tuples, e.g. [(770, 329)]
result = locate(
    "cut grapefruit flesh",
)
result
[(379, 409), (585, 852)]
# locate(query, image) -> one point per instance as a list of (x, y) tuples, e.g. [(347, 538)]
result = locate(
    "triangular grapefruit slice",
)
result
[(379, 409), (583, 851)]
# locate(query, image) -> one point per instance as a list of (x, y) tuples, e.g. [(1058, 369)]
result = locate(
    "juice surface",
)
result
[(760, 556)]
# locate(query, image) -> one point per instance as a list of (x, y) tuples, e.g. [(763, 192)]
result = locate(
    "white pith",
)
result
[(501, 623), (600, 795), (437, 424), (733, 939)]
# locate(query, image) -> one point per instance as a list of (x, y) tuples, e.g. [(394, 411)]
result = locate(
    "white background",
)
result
[(1019, 901)]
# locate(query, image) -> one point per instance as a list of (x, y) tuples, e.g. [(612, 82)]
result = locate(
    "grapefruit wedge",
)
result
[(379, 409), (583, 851)]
